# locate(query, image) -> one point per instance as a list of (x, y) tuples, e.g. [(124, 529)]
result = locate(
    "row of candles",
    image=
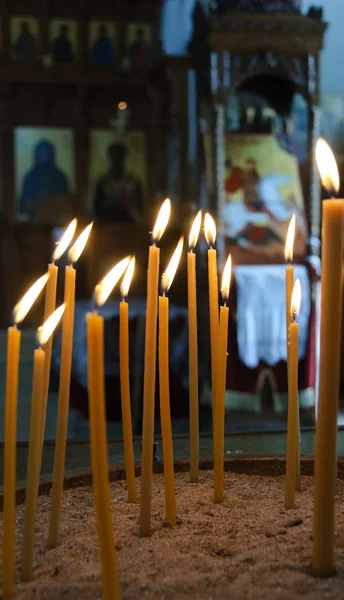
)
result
[(325, 452)]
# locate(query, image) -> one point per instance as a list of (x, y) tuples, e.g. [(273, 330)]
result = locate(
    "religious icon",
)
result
[(25, 39), (102, 43), (118, 175), (332, 122), (63, 41), (262, 191), (139, 45), (44, 169)]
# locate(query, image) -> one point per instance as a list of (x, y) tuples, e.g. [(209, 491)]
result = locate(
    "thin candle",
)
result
[(289, 283), (164, 385), (99, 454), (125, 383), (44, 333), (64, 387), (325, 459), (12, 369), (149, 370), (210, 235), (49, 308), (193, 350), (219, 429), (293, 405)]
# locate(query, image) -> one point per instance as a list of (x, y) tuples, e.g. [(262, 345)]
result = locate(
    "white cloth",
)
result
[(261, 313)]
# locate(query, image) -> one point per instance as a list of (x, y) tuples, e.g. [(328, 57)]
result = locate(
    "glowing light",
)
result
[(104, 288), (172, 266), (78, 246), (125, 285), (226, 278), (47, 329), (162, 220), (289, 242), (327, 166), (66, 239), (23, 306), (195, 229), (295, 299), (209, 229), (122, 105)]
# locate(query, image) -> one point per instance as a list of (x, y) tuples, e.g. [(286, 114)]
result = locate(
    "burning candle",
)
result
[(149, 370), (325, 461), (293, 404), (99, 454), (289, 282), (193, 351), (210, 236), (64, 387), (12, 367), (50, 303), (219, 429), (44, 333), (125, 383), (164, 385)]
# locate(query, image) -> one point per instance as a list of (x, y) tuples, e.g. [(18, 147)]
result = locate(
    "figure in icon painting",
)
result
[(262, 192), (62, 46), (25, 47), (103, 49), (140, 48), (43, 180), (118, 193)]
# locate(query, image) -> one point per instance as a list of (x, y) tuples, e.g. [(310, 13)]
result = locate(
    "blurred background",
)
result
[(107, 108)]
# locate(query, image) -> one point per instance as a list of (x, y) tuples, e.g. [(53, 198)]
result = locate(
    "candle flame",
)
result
[(226, 278), (104, 288), (327, 166), (47, 329), (172, 266), (195, 229), (295, 299), (79, 244), (23, 306), (209, 229), (66, 239), (162, 220), (289, 242), (125, 285)]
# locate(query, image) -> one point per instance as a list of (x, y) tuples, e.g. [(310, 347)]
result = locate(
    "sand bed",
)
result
[(247, 548)]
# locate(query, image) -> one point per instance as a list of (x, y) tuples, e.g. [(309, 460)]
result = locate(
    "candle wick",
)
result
[(225, 303)]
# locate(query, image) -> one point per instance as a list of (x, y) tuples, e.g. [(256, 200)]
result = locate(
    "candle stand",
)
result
[(248, 542)]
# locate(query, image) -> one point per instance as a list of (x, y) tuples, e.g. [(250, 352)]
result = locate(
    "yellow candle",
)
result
[(289, 281), (125, 385), (325, 461), (292, 435), (64, 388), (34, 459), (210, 234), (193, 351), (99, 454), (164, 387), (100, 467), (149, 371), (12, 369), (50, 303), (219, 429)]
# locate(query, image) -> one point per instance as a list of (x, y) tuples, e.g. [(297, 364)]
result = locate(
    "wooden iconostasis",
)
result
[(83, 126)]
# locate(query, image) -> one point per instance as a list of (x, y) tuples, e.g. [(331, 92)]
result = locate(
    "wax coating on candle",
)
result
[(165, 412), (8, 537), (220, 406), (149, 392), (125, 400), (325, 460), (293, 407), (193, 368)]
